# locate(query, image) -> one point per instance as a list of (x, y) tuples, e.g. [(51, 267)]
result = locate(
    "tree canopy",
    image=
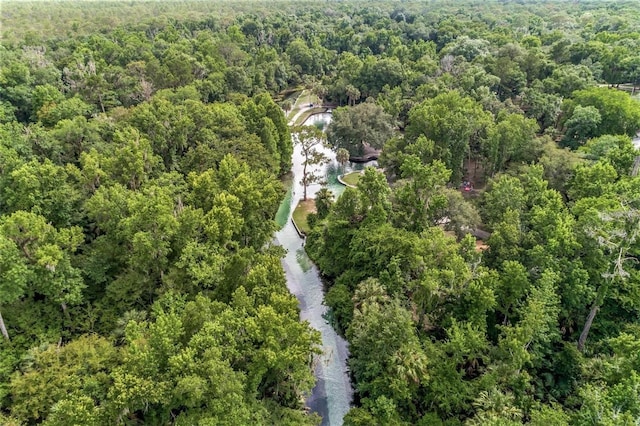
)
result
[(358, 127), (485, 273)]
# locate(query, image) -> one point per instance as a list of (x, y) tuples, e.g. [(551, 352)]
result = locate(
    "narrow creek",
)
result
[(332, 395)]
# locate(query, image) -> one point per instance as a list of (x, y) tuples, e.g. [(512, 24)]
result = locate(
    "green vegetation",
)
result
[(309, 139), (355, 128), (301, 214), (304, 100), (351, 178), (142, 150)]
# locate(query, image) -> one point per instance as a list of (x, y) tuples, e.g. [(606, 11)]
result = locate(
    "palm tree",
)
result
[(287, 105), (324, 200), (319, 89), (353, 94)]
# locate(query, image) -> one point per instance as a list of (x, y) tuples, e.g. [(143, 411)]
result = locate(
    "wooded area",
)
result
[(143, 155)]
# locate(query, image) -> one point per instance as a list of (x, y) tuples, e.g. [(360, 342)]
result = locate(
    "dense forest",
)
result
[(487, 272)]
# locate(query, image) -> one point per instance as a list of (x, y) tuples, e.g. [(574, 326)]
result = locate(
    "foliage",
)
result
[(619, 113), (140, 146), (360, 126), (454, 123), (310, 138)]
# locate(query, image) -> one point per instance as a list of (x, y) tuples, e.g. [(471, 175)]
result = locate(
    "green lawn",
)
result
[(305, 98), (352, 178), (300, 215)]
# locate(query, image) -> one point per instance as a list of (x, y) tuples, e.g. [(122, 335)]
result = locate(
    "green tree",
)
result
[(459, 215), (387, 359), (418, 196), (324, 201), (14, 276), (358, 127), (301, 56), (505, 193), (496, 408), (259, 194), (342, 156), (309, 138), (45, 95), (51, 113), (617, 150), (455, 123), (582, 125), (132, 161), (43, 257), (66, 384), (373, 192), (513, 139), (617, 233), (42, 188), (16, 81), (287, 105), (353, 94), (263, 113), (528, 339), (509, 64), (620, 114), (544, 107), (558, 164), (592, 180), (567, 78)]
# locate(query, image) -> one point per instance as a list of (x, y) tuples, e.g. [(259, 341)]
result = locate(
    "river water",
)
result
[(332, 395)]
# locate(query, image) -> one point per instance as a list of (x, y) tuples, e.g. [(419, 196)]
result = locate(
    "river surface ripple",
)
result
[(332, 395)]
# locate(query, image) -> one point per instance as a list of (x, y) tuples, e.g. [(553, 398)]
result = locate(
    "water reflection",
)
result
[(332, 395), (331, 398)]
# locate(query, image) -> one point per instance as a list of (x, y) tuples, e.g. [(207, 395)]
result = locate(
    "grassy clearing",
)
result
[(301, 212), (293, 113), (304, 99), (352, 178)]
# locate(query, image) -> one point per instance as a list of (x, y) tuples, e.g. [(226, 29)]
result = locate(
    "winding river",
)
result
[(332, 395)]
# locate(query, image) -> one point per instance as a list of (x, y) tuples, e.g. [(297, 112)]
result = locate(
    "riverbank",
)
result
[(331, 397)]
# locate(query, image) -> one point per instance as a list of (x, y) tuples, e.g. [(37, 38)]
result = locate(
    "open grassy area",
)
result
[(352, 178), (304, 99), (301, 212)]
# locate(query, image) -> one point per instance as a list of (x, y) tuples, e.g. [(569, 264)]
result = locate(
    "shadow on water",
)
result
[(284, 211), (303, 260)]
